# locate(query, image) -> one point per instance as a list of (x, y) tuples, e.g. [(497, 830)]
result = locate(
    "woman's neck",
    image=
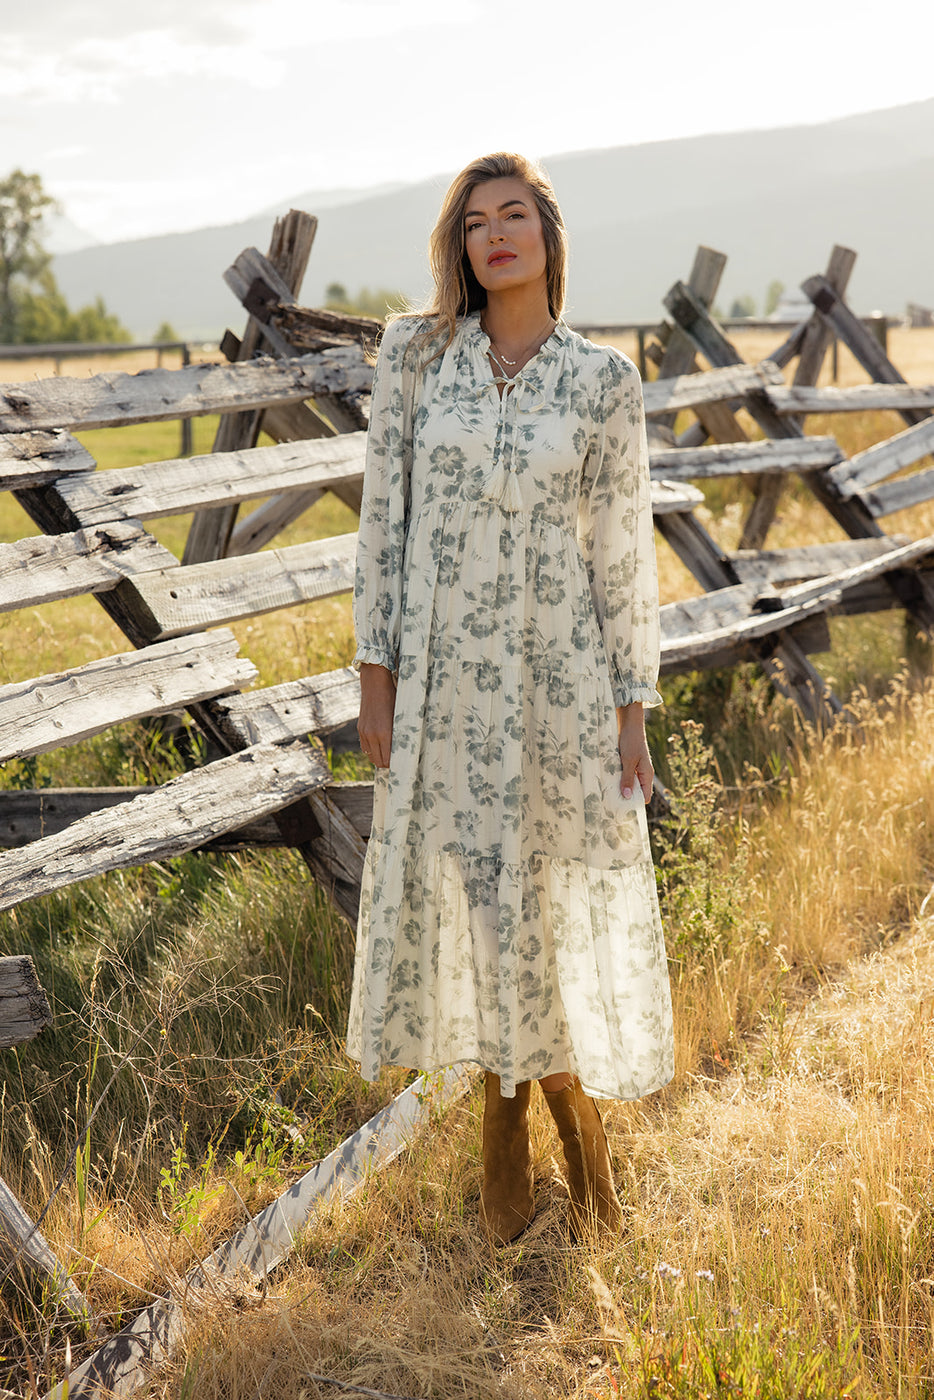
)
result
[(512, 319)]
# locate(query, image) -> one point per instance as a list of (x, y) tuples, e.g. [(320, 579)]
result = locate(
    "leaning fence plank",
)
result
[(155, 395), (179, 485), (289, 251), (42, 568), (902, 494), (42, 714), (733, 381), (27, 1247), (884, 459), (28, 814), (861, 342), (277, 714), (187, 599), (125, 1362), (31, 459), (268, 520), (185, 813)]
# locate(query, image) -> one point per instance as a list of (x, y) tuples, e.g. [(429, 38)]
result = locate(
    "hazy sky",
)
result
[(143, 118)]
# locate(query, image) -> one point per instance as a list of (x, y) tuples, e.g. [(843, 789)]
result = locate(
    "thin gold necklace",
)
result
[(501, 360)]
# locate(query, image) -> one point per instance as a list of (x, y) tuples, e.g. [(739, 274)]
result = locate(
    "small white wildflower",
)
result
[(705, 1273), (667, 1270)]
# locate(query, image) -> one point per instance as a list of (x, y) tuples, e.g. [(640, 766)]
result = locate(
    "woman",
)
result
[(507, 626)]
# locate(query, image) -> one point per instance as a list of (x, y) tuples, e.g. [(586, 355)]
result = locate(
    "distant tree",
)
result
[(335, 297), (377, 303), (44, 317), (23, 204), (166, 331), (743, 306), (773, 296), (32, 308)]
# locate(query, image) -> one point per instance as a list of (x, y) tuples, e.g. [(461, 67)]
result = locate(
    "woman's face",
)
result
[(503, 235)]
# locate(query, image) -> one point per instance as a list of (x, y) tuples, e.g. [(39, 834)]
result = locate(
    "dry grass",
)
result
[(779, 1225)]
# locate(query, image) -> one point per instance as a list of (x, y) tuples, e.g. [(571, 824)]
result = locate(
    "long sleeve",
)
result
[(617, 536), (377, 600)]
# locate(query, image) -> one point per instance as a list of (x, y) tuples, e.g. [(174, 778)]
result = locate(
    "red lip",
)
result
[(499, 257)]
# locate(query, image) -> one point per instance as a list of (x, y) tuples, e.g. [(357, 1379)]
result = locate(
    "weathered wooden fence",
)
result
[(302, 377)]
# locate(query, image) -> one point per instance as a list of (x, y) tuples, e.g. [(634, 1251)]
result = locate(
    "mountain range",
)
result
[(774, 201)]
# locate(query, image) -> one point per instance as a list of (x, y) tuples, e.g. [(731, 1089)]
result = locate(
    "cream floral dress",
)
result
[(506, 573)]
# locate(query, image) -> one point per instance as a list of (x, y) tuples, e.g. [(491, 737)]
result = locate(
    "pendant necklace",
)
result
[(502, 360)]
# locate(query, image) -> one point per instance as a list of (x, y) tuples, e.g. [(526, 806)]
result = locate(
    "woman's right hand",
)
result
[(377, 706)]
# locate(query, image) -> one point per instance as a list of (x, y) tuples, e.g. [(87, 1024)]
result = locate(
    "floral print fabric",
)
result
[(506, 575)]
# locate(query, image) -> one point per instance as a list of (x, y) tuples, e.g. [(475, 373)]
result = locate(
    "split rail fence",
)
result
[(302, 377)]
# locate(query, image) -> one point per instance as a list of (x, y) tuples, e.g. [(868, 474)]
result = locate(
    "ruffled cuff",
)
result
[(374, 655), (628, 691)]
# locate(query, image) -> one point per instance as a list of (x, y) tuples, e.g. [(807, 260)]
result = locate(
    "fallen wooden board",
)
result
[(194, 483), (27, 1248), (175, 601), (32, 459), (860, 398), (185, 813), (24, 1006), (904, 557), (689, 390), (155, 395), (743, 458), (42, 568), (691, 649), (125, 1362), (49, 711)]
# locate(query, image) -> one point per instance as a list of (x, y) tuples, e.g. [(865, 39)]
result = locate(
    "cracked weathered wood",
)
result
[(901, 494), (51, 711), (884, 459), (818, 336), (807, 561), (734, 381), (187, 812), (188, 599), (24, 1006), (742, 458), (289, 251), (674, 498), (26, 1247), (277, 714), (28, 814), (43, 568), (31, 459), (182, 484), (158, 395), (862, 344), (126, 1360), (860, 398)]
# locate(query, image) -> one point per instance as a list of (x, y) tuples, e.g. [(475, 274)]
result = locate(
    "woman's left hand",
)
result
[(634, 751)]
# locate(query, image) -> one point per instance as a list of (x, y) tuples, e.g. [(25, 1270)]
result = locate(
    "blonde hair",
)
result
[(457, 291)]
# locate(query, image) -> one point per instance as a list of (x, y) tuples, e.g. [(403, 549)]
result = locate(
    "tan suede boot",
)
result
[(507, 1204), (589, 1171)]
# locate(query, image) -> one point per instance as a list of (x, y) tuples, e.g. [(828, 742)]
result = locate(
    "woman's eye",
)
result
[(471, 227)]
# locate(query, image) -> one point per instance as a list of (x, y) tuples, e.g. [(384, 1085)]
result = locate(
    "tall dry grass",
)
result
[(778, 1224)]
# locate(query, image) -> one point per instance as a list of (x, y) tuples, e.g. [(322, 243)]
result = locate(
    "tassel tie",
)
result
[(502, 485)]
